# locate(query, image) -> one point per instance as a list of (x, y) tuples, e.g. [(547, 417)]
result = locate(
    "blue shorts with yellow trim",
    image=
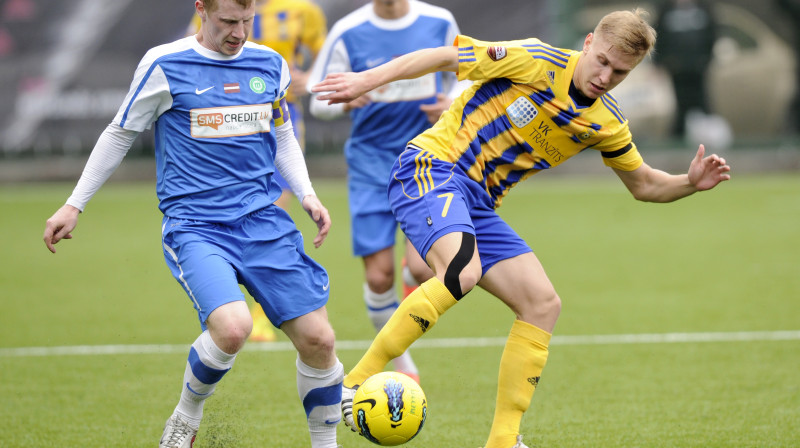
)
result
[(263, 251), (431, 198)]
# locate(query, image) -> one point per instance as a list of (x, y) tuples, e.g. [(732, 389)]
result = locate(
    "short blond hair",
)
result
[(211, 5), (628, 32)]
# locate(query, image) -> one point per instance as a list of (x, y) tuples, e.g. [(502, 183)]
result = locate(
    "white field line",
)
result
[(611, 339)]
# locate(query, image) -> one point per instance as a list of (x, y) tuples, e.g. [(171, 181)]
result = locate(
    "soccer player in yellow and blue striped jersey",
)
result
[(531, 107)]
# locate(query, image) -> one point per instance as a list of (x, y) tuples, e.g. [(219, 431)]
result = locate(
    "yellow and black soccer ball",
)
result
[(389, 408)]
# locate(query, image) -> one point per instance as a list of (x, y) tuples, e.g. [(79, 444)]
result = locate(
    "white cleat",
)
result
[(177, 433), (519, 443), (347, 407)]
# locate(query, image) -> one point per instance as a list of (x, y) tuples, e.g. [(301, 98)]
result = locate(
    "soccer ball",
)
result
[(389, 408)]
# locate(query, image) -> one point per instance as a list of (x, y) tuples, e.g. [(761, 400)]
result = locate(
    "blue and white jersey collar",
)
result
[(211, 54)]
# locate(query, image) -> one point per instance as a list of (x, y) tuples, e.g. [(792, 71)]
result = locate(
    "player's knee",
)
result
[(469, 278), (552, 305), (231, 338), (230, 325), (461, 276), (379, 272), (544, 306), (316, 343), (379, 281)]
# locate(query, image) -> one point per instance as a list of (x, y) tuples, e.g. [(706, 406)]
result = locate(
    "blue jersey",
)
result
[(214, 121), (362, 40)]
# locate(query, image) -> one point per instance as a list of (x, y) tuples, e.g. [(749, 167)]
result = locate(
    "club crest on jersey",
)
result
[(521, 112), (257, 85), (496, 52)]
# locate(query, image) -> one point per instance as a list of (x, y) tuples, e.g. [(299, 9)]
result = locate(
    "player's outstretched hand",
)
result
[(706, 172), (60, 226), (319, 214), (340, 87)]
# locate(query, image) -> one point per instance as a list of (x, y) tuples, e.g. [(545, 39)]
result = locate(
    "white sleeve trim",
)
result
[(290, 162), (323, 110), (111, 147), (333, 58)]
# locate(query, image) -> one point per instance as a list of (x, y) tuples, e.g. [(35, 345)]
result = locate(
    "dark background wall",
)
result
[(65, 66)]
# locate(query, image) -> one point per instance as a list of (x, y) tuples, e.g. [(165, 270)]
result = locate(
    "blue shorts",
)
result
[(263, 251), (431, 198), (298, 126), (373, 227)]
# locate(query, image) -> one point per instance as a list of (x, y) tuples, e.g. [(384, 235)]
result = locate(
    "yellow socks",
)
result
[(521, 365), (416, 314)]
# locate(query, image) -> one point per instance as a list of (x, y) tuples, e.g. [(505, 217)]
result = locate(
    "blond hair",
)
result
[(211, 5), (628, 32)]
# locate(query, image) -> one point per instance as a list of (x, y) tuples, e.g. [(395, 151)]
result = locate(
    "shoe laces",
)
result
[(179, 431)]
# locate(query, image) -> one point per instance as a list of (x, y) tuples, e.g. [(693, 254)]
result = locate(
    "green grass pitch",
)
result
[(719, 264)]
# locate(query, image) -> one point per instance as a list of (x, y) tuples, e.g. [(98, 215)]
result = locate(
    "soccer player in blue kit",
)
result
[(221, 130), (531, 108), (369, 36)]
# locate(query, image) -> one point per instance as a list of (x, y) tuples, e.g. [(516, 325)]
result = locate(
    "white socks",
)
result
[(380, 308), (321, 394), (205, 367), (408, 279)]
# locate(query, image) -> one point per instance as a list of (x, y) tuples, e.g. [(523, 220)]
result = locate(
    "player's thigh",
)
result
[(418, 267), (196, 255), (521, 283), (275, 269), (429, 204), (444, 251)]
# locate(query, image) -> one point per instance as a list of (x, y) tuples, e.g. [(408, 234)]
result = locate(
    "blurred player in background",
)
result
[(383, 122), (687, 30), (531, 108), (296, 29), (222, 129)]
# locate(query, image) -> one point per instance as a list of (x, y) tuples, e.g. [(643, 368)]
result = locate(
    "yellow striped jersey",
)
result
[(288, 27), (518, 117)]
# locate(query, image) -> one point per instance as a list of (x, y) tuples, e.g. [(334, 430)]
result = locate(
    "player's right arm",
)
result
[(60, 226), (108, 152), (345, 87), (113, 144)]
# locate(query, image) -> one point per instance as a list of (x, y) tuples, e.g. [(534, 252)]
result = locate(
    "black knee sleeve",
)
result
[(459, 262)]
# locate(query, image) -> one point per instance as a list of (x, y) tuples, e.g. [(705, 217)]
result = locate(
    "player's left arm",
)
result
[(345, 87), (291, 164), (451, 86), (320, 215), (652, 185)]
